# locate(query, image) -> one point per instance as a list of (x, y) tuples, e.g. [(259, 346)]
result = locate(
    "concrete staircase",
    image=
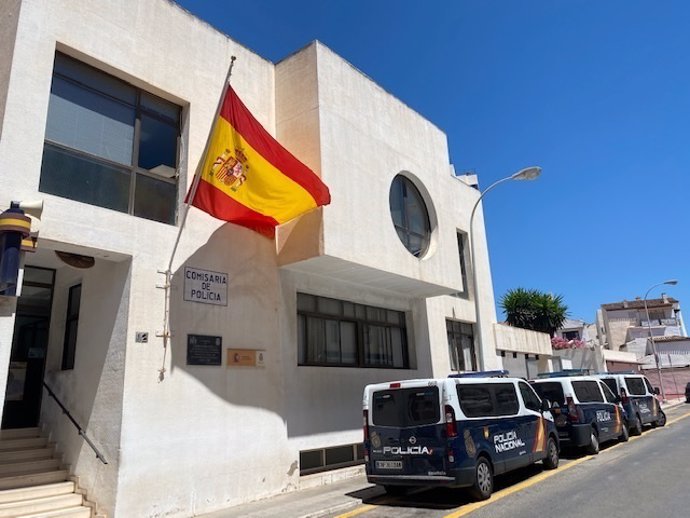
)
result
[(33, 484)]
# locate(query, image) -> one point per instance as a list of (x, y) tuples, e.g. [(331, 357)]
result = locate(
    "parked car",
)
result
[(638, 398), (585, 411), (687, 393), (458, 431)]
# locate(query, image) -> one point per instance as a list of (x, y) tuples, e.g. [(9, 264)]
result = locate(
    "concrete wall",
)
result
[(9, 18), (93, 390), (516, 339)]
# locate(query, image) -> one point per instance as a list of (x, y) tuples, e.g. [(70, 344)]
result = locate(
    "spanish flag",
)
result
[(248, 178)]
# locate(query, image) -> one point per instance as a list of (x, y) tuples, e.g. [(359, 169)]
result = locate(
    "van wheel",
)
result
[(551, 460), (625, 435), (395, 490), (636, 428), (662, 419), (593, 446), (483, 480)]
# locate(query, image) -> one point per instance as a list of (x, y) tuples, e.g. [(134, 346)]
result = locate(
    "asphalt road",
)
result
[(648, 476)]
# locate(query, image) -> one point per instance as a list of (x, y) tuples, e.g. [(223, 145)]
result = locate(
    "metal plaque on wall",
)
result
[(204, 350)]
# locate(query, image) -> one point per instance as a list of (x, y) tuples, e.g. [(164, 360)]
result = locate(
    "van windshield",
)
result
[(406, 407), (553, 391)]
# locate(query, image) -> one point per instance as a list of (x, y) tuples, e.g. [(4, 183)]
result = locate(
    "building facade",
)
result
[(258, 389)]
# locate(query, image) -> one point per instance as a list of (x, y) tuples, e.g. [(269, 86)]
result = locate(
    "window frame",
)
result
[(133, 170), (403, 187), (362, 324), (524, 387), (454, 330), (69, 347)]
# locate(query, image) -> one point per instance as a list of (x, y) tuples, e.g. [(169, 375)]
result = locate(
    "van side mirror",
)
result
[(657, 391), (545, 405)]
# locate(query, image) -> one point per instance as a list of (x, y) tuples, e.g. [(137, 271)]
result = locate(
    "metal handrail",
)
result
[(82, 432)]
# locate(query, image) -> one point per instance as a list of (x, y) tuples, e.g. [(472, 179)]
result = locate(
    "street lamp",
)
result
[(671, 282), (528, 173)]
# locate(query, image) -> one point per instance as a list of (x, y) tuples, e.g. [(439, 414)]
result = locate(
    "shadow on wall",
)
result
[(248, 321), (92, 390)]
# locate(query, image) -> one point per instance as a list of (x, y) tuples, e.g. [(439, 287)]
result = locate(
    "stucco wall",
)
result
[(186, 439)]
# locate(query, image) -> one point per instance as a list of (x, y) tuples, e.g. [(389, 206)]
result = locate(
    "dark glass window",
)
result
[(571, 335), (488, 400), (635, 386), (552, 390), (410, 216), (611, 384), (462, 250), (588, 392), (110, 144), (461, 346), (339, 333), (531, 400), (610, 397), (71, 327), (406, 407)]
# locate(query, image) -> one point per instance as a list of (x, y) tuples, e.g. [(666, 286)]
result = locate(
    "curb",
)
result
[(334, 509)]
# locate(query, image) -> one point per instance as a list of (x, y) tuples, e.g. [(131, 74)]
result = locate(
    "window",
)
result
[(410, 216), (406, 407), (611, 384), (635, 386), (110, 144), (489, 400), (340, 333), (462, 242), (531, 400), (648, 385), (325, 459), (553, 391), (588, 391), (571, 335), (461, 346), (71, 327), (610, 397)]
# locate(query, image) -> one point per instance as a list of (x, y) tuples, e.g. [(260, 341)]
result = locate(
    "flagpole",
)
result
[(165, 334)]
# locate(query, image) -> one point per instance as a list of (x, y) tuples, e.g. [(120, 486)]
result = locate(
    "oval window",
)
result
[(410, 216)]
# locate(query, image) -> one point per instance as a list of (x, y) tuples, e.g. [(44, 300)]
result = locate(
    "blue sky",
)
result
[(596, 93)]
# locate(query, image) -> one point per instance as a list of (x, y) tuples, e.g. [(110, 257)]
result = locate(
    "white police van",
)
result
[(638, 398), (458, 431)]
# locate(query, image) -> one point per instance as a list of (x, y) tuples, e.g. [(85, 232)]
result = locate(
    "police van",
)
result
[(458, 432), (585, 411), (638, 399)]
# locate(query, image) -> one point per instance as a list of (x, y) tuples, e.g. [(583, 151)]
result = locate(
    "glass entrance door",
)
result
[(29, 345)]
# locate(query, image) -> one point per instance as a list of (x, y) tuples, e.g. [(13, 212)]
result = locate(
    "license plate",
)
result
[(389, 464)]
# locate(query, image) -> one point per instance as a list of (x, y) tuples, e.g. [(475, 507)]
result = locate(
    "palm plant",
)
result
[(534, 309)]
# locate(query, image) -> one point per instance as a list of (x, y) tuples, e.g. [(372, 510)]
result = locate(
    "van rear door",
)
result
[(406, 432)]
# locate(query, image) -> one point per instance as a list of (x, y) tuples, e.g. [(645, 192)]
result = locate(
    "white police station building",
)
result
[(105, 108)]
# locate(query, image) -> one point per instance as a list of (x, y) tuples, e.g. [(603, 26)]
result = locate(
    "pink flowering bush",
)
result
[(561, 343)]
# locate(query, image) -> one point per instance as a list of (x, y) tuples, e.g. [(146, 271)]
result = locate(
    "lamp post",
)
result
[(671, 282), (528, 173)]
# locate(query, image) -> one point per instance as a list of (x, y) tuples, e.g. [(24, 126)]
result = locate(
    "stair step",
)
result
[(33, 479), (39, 505), (15, 433), (31, 466), (28, 493), (71, 512), (12, 456), (23, 443)]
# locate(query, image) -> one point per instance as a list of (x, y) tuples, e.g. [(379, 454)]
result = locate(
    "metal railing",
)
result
[(81, 431)]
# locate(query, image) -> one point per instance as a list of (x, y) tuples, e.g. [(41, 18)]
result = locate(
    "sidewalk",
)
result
[(327, 500), (319, 502)]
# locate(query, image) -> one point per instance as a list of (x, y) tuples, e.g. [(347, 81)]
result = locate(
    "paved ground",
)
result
[(647, 476)]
